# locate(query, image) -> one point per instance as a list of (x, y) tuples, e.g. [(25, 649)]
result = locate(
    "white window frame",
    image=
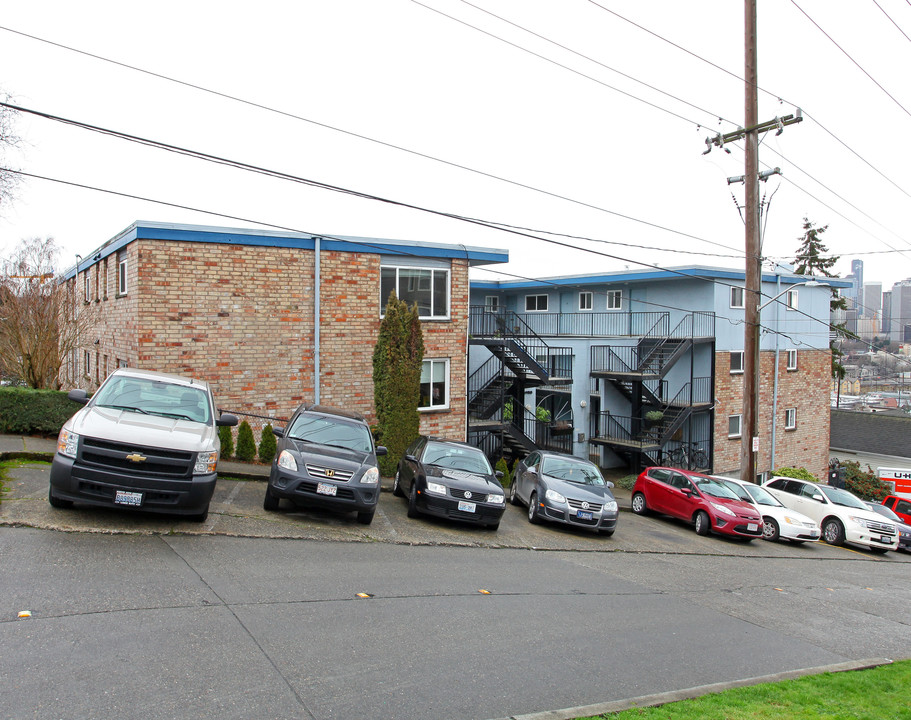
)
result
[(434, 314), (492, 303), (122, 276), (790, 419), (739, 431), (736, 370), (737, 302), (444, 401), (791, 300), (614, 299), (537, 301), (86, 363), (586, 301), (86, 286), (791, 356)]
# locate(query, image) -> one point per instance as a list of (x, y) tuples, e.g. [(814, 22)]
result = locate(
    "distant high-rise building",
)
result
[(887, 310), (873, 304), (857, 271), (900, 316)]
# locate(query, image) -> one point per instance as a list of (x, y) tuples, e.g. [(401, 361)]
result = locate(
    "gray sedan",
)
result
[(566, 489)]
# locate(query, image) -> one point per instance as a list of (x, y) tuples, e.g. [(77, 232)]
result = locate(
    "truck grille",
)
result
[(147, 461)]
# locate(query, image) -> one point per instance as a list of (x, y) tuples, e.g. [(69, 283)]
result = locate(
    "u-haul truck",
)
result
[(899, 479)]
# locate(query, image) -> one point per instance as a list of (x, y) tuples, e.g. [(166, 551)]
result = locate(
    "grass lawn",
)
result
[(882, 693)]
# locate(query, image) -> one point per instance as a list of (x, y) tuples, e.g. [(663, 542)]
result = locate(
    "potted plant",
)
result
[(653, 417)]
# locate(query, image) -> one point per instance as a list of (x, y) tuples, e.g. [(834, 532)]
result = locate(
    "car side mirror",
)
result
[(498, 474), (818, 498), (411, 458), (278, 432), (226, 420), (381, 450), (79, 396), (533, 470), (609, 485)]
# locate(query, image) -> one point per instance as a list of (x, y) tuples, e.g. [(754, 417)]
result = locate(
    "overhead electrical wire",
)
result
[(898, 27), (366, 138)]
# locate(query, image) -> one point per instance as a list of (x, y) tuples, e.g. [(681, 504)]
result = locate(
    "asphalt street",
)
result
[(310, 615)]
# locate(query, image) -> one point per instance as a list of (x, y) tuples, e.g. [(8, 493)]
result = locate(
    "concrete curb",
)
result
[(690, 693)]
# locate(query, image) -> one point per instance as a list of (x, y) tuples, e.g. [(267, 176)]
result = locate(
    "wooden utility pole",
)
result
[(749, 429)]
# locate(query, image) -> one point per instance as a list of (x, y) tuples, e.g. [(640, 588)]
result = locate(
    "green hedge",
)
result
[(24, 411)]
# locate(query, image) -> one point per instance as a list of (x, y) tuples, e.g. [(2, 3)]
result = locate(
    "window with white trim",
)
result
[(736, 297), (535, 303), (736, 362), (122, 274), (492, 302), (585, 301), (86, 363), (614, 299), (428, 288), (734, 426), (790, 419), (434, 385), (792, 359), (86, 285), (791, 300)]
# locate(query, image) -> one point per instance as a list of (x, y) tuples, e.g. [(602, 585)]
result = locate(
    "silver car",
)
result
[(566, 489)]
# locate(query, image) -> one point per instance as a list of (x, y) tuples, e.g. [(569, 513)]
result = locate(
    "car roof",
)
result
[(159, 376), (329, 410), (448, 441)]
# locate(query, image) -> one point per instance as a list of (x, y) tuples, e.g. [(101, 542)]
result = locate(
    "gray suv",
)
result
[(326, 458)]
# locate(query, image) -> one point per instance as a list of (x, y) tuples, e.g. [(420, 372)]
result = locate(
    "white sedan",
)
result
[(777, 520)]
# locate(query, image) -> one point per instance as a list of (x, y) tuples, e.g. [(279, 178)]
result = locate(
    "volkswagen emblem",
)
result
[(585, 506), (468, 494)]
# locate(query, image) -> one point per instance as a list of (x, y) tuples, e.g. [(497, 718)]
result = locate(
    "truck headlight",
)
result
[(67, 443), (205, 463)]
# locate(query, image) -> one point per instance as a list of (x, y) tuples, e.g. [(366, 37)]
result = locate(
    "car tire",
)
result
[(770, 529), (833, 532), (57, 502), (366, 517), (413, 511), (703, 523), (513, 497), (270, 501), (638, 504), (396, 486), (199, 517), (533, 516)]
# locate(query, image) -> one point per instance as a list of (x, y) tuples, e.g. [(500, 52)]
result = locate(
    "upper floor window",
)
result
[(492, 302), (734, 426), (535, 303), (86, 285), (791, 300), (790, 419), (792, 359), (428, 288), (614, 299), (121, 274), (736, 297), (585, 301), (736, 361)]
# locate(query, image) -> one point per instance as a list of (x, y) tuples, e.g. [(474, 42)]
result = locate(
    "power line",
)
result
[(898, 27), (366, 138)]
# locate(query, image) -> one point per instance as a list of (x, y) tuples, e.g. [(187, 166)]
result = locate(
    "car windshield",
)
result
[(154, 397), (884, 511), (574, 471), (753, 494), (715, 488), (457, 457), (330, 431), (842, 497)]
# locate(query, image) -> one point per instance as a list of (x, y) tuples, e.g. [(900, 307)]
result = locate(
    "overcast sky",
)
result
[(560, 117)]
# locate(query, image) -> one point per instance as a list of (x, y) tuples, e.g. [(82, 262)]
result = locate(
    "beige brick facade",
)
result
[(242, 317), (804, 390)]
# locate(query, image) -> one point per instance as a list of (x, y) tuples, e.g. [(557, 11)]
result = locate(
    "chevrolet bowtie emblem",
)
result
[(136, 457)]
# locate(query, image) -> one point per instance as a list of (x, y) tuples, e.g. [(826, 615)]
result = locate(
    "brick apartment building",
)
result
[(239, 308)]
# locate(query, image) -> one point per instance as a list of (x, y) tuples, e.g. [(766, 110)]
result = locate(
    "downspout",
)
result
[(316, 313)]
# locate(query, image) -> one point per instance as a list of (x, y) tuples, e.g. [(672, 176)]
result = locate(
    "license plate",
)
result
[(582, 515), (128, 498), (326, 489), (885, 539), (466, 506), (752, 527)]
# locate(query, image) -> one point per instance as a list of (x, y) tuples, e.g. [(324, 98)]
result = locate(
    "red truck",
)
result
[(900, 506)]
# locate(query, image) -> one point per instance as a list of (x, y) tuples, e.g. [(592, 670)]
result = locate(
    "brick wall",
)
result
[(241, 317), (805, 389)]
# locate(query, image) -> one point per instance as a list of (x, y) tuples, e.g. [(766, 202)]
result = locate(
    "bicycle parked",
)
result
[(688, 456)]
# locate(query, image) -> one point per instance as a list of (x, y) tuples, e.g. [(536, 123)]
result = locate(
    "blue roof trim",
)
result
[(304, 241)]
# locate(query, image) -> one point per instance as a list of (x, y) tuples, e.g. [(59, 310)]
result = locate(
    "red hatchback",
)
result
[(699, 499)]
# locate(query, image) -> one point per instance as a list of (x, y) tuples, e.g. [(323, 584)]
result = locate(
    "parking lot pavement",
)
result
[(236, 510)]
